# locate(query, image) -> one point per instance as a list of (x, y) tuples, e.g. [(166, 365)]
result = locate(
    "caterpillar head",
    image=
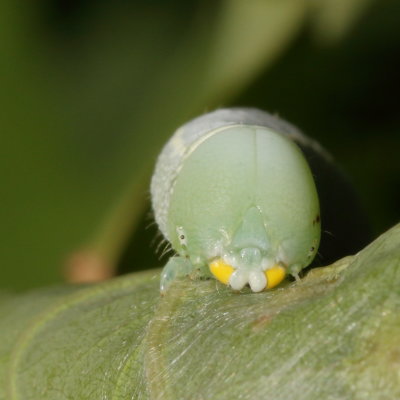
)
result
[(238, 196)]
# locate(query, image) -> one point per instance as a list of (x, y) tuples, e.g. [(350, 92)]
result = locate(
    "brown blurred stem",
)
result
[(97, 260)]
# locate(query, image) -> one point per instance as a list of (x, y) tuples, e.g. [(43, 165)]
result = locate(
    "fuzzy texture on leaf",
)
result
[(333, 335)]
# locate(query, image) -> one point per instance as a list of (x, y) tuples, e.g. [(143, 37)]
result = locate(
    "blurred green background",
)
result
[(90, 91)]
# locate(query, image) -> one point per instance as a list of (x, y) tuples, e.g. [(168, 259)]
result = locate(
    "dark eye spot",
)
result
[(312, 249), (316, 220), (182, 237)]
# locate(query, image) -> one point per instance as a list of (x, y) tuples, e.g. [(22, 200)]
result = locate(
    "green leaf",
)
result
[(333, 19), (333, 335)]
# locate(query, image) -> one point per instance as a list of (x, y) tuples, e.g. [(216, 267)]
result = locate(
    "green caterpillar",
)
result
[(236, 199)]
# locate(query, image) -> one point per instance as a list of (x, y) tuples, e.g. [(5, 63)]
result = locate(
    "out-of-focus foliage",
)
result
[(333, 335), (89, 91)]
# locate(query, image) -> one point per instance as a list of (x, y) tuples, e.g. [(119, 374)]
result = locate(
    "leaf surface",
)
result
[(333, 335)]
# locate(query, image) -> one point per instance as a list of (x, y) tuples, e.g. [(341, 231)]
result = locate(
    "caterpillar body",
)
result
[(234, 194)]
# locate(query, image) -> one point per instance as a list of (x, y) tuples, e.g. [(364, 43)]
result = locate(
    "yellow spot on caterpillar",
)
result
[(221, 270), (275, 276)]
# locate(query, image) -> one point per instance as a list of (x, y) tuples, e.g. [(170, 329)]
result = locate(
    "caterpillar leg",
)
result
[(176, 267)]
